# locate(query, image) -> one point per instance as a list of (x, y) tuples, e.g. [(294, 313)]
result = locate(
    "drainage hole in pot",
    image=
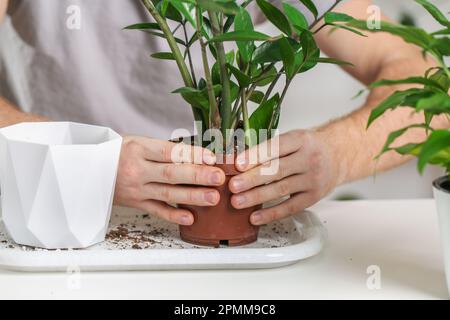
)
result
[(224, 243)]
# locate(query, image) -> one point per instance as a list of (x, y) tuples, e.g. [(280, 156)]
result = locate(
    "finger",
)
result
[(168, 213), (169, 152), (295, 204), (273, 191), (277, 147), (274, 170), (182, 195), (185, 174)]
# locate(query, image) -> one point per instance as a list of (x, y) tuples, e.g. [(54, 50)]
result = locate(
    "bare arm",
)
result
[(312, 163), (9, 114), (380, 56), (3, 6)]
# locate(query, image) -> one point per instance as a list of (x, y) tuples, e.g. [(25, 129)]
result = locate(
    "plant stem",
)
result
[(225, 110), (191, 64), (246, 119), (178, 56), (214, 117)]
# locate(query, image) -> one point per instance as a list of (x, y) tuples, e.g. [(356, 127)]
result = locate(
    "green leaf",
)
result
[(243, 22), (346, 28), (266, 78), (335, 61), (257, 97), (308, 57), (170, 12), (164, 7), (437, 103), (163, 55), (409, 34), (261, 117), (435, 12), (241, 36), (223, 6), (332, 17), (143, 26), (442, 46), (296, 18), (393, 101), (161, 35), (397, 134), (438, 141), (309, 4), (198, 98), (441, 78), (274, 15), (441, 32), (243, 79), (411, 80), (269, 52), (288, 57)]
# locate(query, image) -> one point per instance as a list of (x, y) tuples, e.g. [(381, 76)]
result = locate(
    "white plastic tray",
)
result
[(152, 244)]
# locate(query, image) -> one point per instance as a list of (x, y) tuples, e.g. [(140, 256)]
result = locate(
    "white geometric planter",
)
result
[(57, 183), (442, 197)]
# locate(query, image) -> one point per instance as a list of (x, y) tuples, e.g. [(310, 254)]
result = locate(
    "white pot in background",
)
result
[(442, 196), (57, 183)]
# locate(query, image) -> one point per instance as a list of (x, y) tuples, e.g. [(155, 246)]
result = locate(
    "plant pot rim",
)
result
[(438, 184)]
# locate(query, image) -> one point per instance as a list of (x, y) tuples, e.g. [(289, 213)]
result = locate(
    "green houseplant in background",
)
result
[(430, 96), (230, 81)]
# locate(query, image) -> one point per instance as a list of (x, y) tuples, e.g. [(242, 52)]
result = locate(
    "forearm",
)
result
[(10, 115), (356, 147)]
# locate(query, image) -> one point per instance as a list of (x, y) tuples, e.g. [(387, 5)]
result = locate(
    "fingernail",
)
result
[(257, 218), (216, 178), (185, 220), (211, 197), (237, 184), (240, 162), (209, 159), (240, 200)]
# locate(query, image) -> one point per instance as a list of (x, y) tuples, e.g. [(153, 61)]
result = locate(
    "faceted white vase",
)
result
[(57, 183), (442, 197)]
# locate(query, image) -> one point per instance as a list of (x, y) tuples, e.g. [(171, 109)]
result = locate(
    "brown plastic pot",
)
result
[(221, 224)]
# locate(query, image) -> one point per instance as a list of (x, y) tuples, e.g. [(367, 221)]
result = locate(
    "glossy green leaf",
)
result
[(296, 18), (393, 101), (435, 12), (309, 4), (333, 17), (269, 52), (163, 55), (288, 57), (275, 16), (143, 26), (437, 103), (411, 80), (257, 96), (243, 79), (261, 117), (243, 22), (241, 36), (198, 98), (438, 141)]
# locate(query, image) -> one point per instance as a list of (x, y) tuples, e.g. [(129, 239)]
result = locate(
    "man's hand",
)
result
[(154, 173), (306, 172)]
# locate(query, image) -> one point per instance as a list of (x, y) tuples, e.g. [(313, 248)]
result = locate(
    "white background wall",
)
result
[(326, 93)]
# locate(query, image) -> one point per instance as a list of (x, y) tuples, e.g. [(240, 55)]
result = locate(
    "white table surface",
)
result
[(400, 237)]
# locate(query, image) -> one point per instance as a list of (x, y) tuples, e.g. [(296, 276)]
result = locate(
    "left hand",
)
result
[(306, 172)]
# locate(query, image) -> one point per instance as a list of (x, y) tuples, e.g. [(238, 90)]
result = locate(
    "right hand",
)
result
[(153, 174)]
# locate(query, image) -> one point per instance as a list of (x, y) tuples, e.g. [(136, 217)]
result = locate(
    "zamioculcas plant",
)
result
[(431, 98), (231, 81)]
